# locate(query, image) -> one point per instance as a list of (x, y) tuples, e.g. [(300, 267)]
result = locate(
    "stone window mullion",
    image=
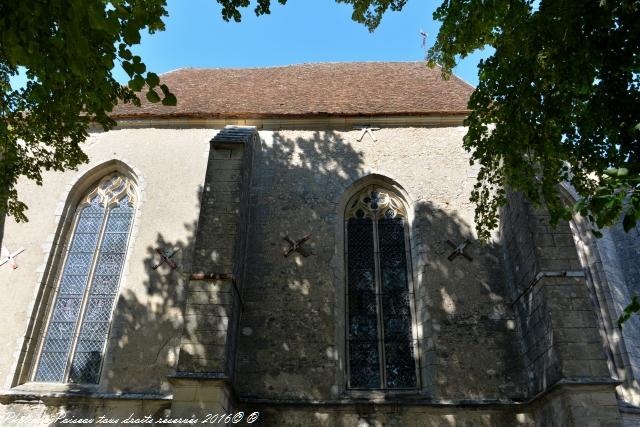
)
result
[(378, 292), (85, 297)]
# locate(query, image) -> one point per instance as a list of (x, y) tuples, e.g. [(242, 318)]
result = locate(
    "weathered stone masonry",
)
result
[(561, 345), (205, 370)]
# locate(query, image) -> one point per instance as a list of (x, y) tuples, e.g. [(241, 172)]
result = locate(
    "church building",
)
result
[(295, 246)]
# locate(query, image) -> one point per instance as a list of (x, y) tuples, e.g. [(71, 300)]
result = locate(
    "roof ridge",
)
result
[(301, 64), (311, 64)]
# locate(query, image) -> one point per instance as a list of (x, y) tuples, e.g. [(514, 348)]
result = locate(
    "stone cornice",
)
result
[(294, 123)]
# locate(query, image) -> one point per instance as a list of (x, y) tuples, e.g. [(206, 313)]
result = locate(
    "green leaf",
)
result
[(128, 68), (139, 68), (153, 80), (124, 52), (170, 100), (629, 310), (152, 96), (107, 61), (131, 35), (136, 83), (629, 221)]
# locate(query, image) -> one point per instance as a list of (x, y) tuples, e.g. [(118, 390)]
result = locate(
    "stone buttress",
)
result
[(568, 378), (203, 380)]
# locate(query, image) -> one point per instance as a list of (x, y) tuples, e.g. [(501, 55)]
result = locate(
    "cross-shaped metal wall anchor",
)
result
[(165, 257), (297, 246), (459, 250), (8, 257), (366, 130)]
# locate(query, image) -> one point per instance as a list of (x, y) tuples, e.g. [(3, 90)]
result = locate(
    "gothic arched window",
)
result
[(87, 286), (380, 343)]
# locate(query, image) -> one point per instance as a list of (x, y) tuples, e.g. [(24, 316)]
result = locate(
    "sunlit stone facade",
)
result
[(311, 273)]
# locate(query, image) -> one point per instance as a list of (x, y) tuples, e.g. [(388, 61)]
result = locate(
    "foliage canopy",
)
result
[(559, 100), (67, 48)]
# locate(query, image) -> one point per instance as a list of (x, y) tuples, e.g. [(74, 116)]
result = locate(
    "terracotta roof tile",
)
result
[(340, 89)]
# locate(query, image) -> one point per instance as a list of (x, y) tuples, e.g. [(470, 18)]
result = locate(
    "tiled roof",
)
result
[(325, 89)]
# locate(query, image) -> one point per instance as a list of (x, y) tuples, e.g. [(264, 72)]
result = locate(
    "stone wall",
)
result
[(627, 252), (399, 415), (495, 336), (291, 342), (557, 323), (145, 333), (610, 263)]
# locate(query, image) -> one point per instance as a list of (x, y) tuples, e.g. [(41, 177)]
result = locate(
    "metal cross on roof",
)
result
[(366, 130), (297, 246), (8, 257), (459, 250), (165, 257)]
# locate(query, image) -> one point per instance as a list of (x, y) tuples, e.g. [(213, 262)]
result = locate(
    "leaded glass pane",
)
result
[(400, 364), (98, 310), (363, 319), (363, 327), (362, 303), (60, 330), (364, 364), (85, 367), (78, 263), (51, 367), (104, 285), (118, 222), (115, 242), (72, 284), (393, 279), (393, 263), (391, 231), (95, 325), (396, 305), (379, 297), (360, 244), (361, 280), (84, 242), (95, 331), (109, 263), (57, 346), (88, 247), (66, 310), (396, 317)]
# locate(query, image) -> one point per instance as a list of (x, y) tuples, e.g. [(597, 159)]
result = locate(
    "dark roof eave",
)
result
[(262, 116)]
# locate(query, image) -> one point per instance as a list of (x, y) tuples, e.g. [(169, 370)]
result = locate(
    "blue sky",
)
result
[(299, 32)]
